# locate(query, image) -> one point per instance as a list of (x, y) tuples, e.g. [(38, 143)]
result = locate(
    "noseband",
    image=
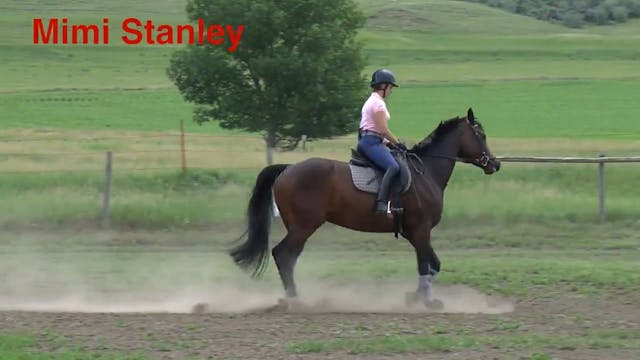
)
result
[(483, 160)]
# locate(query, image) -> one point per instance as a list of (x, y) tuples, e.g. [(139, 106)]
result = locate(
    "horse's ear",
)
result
[(470, 116)]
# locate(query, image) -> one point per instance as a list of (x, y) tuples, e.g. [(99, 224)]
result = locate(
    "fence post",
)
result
[(182, 150), (107, 190), (601, 215), (270, 139)]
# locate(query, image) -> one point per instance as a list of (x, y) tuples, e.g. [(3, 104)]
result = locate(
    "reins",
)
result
[(483, 160)]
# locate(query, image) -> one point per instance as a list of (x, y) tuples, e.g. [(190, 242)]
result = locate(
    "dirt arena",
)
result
[(239, 324)]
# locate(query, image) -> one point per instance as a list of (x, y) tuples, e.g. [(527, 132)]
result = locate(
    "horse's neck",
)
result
[(441, 168)]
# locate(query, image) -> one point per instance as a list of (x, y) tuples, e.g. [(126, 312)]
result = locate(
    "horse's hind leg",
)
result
[(286, 255)]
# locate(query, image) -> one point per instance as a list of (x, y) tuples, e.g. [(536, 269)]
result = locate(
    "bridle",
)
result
[(482, 160)]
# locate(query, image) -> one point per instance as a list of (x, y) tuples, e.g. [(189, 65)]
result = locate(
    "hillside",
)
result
[(450, 17), (448, 54), (430, 16), (404, 33)]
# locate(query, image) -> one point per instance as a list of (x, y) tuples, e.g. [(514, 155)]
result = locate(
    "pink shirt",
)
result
[(374, 104)]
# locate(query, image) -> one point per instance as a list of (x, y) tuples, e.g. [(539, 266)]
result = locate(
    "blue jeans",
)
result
[(372, 147)]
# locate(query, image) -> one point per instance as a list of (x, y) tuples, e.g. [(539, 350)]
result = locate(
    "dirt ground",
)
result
[(263, 332)]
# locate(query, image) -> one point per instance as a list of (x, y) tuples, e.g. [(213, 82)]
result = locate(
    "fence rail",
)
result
[(183, 149), (574, 160), (600, 160)]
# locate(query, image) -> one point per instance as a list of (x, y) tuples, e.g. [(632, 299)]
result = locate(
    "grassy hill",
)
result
[(448, 55), (449, 17)]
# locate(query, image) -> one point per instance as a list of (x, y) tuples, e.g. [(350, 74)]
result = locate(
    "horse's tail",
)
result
[(253, 253)]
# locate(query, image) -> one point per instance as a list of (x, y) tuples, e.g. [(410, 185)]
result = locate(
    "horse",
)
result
[(318, 190)]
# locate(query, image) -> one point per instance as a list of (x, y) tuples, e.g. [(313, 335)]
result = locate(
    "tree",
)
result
[(297, 69), (619, 13), (572, 19), (573, 13)]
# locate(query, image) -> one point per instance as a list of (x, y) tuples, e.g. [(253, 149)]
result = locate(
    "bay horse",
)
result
[(318, 190)]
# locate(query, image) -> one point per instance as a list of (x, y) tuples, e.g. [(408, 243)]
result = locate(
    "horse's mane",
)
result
[(444, 128)]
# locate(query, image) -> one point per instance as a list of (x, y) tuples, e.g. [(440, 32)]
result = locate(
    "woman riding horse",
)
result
[(317, 190), (374, 132)]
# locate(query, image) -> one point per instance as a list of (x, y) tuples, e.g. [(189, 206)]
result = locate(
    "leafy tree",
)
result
[(297, 69), (573, 19), (619, 13)]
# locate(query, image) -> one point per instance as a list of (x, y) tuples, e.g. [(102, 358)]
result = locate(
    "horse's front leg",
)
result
[(428, 268)]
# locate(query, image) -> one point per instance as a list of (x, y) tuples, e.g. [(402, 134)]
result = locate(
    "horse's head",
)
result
[(473, 145)]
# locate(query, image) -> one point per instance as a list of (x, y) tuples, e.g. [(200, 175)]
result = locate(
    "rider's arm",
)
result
[(380, 119)]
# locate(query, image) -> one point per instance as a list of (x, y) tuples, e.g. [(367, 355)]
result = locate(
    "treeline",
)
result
[(572, 13)]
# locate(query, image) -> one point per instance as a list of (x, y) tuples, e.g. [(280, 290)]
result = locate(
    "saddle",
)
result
[(367, 176)]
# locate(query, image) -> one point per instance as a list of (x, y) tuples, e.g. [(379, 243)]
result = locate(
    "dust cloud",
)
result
[(384, 297), (228, 298), (183, 282)]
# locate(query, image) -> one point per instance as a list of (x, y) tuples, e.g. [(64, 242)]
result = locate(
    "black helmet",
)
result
[(382, 76)]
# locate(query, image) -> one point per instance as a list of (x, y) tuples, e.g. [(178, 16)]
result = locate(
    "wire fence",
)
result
[(154, 150), (172, 155), (600, 160), (125, 137)]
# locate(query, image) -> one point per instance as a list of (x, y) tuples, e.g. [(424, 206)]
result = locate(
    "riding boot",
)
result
[(383, 192)]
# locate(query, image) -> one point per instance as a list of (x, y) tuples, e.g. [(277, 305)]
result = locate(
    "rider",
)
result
[(374, 133)]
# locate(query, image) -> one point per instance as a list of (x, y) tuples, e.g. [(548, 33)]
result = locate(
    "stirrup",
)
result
[(380, 210)]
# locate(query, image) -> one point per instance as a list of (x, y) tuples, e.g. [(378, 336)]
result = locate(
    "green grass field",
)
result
[(19, 346), (540, 80), (528, 109), (527, 80)]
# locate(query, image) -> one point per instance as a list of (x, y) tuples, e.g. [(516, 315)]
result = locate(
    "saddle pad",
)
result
[(368, 180), (364, 178)]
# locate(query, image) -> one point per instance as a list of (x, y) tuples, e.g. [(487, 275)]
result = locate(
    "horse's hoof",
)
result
[(434, 304)]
